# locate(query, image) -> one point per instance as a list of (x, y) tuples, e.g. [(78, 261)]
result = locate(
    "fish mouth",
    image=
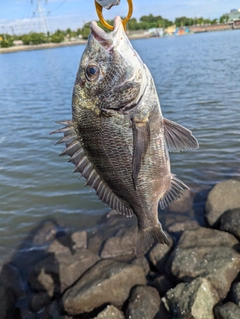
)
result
[(107, 40)]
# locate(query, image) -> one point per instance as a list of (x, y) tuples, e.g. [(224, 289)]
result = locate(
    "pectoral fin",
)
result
[(178, 138), (141, 140)]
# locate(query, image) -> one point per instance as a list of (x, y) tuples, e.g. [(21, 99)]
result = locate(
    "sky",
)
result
[(17, 16)]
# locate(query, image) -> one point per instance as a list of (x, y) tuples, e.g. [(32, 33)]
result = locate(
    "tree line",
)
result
[(144, 23)]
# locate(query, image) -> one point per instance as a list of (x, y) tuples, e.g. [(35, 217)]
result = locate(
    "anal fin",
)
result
[(178, 138), (175, 192)]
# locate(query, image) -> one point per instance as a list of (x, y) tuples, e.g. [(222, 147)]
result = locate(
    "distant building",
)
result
[(182, 31), (17, 42), (156, 32), (170, 30), (234, 15)]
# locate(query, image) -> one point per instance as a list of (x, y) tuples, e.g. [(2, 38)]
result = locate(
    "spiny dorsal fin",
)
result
[(175, 192), (178, 138), (79, 158), (141, 140)]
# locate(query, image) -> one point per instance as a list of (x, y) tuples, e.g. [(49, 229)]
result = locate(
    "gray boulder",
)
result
[(123, 243), (69, 243), (224, 196), (7, 302), (10, 278), (236, 293), (53, 311), (159, 254), (206, 253), (193, 300), (45, 233), (110, 312), (183, 204), (95, 241), (109, 226), (39, 300), (142, 262), (179, 227), (227, 311), (59, 271), (107, 282), (144, 303), (230, 222), (206, 237), (163, 284)]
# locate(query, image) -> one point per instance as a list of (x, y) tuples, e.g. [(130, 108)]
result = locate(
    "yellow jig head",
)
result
[(104, 22)]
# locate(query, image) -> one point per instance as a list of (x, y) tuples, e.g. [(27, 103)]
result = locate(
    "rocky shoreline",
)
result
[(96, 275)]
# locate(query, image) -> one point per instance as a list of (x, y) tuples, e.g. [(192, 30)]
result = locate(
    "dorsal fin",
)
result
[(178, 138), (177, 187), (79, 158)]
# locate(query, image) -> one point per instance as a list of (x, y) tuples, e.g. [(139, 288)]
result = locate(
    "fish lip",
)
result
[(106, 39)]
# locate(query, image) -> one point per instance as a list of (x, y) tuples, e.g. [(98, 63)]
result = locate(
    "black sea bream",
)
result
[(118, 138)]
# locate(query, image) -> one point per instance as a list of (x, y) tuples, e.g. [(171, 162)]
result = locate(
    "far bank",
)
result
[(138, 34)]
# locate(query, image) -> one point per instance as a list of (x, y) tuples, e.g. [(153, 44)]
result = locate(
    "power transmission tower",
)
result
[(40, 14)]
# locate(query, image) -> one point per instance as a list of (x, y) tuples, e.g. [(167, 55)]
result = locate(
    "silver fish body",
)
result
[(118, 138)]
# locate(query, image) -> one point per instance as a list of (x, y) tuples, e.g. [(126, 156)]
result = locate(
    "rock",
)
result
[(144, 303), (39, 300), (110, 312), (224, 196), (108, 227), (236, 293), (22, 309), (179, 227), (192, 300), (123, 243), (206, 253), (52, 311), (183, 204), (163, 284), (228, 311), (230, 222), (95, 242), (59, 271), (206, 237), (7, 299), (26, 314), (11, 278), (159, 254), (45, 233), (107, 282), (67, 243), (142, 262), (80, 239)]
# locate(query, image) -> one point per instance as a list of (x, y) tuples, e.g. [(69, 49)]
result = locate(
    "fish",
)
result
[(107, 4), (118, 138)]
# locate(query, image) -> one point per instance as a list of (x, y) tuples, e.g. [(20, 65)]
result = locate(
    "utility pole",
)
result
[(40, 13)]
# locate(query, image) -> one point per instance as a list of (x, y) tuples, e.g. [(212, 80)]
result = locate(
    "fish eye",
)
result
[(92, 72)]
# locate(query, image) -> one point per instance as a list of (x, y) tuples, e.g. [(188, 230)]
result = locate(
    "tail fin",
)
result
[(147, 237)]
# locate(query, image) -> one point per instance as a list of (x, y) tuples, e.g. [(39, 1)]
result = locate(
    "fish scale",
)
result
[(118, 139)]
